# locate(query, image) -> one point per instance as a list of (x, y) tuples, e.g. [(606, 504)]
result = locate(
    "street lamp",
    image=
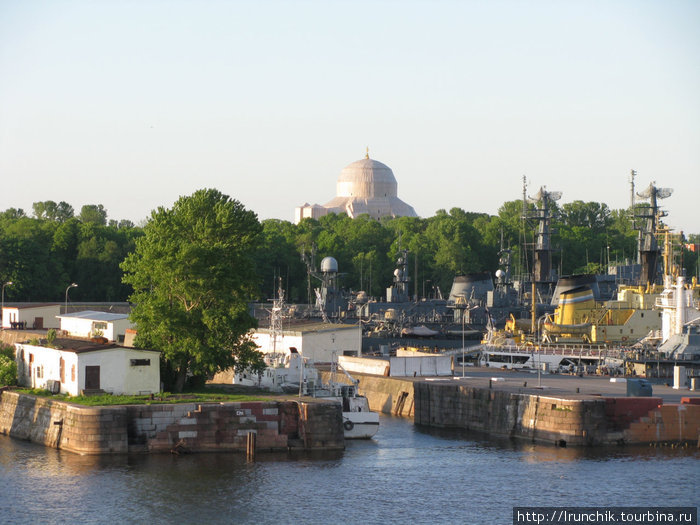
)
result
[(538, 340), (71, 285), (463, 344), (2, 311)]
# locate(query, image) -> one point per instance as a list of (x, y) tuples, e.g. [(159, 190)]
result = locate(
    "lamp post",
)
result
[(463, 344), (71, 285), (2, 311), (538, 349)]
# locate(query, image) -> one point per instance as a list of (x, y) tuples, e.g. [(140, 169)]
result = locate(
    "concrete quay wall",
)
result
[(555, 420), (192, 427), (387, 395), (576, 420), (552, 420)]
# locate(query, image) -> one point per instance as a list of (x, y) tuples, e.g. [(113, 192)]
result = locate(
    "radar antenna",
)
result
[(648, 246), (542, 271)]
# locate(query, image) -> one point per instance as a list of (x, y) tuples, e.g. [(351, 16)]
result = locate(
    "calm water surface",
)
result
[(404, 475)]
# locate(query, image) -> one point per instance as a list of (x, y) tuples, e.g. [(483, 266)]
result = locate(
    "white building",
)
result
[(33, 316), (315, 341), (364, 187), (90, 323), (78, 365)]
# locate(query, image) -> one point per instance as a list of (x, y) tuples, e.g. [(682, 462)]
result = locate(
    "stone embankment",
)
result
[(192, 427), (562, 419), (556, 420)]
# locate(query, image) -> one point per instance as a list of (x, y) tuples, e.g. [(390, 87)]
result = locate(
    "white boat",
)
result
[(359, 422), (289, 373)]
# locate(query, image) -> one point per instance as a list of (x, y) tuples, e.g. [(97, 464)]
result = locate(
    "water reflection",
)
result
[(404, 474)]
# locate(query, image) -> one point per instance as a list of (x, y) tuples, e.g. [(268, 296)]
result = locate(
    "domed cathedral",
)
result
[(365, 186)]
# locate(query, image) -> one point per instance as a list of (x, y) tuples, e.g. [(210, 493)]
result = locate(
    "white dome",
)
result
[(368, 186), (366, 178), (329, 265)]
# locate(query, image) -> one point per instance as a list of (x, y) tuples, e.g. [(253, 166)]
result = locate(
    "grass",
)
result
[(210, 396)]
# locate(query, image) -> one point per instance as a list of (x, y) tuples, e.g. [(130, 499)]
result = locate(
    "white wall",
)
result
[(46, 366), (364, 365), (48, 313), (117, 375), (82, 327), (424, 366), (319, 347)]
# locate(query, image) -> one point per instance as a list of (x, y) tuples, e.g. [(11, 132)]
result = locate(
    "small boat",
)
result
[(359, 422)]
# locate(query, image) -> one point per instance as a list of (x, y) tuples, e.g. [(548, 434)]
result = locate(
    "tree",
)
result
[(192, 273), (51, 211), (93, 213), (8, 366), (12, 213)]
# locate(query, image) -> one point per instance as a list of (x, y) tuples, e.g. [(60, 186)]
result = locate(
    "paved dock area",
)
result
[(557, 385)]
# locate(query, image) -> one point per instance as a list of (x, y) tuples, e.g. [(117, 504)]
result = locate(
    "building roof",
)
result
[(304, 327), (81, 346), (26, 306), (93, 315)]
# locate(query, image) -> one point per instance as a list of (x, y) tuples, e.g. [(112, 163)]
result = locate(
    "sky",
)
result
[(133, 103)]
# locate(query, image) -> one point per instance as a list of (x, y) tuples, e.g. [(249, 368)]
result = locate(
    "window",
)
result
[(99, 325), (140, 362)]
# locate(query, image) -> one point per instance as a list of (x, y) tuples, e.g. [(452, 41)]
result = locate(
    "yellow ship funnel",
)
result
[(573, 301)]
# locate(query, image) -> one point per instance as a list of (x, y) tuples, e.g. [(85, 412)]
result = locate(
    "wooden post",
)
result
[(250, 446)]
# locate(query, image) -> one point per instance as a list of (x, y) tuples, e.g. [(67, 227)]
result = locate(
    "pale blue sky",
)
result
[(133, 103)]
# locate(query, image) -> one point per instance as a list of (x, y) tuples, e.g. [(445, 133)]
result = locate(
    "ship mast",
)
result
[(649, 247)]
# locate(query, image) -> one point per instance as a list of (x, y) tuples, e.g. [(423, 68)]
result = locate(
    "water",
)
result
[(404, 475)]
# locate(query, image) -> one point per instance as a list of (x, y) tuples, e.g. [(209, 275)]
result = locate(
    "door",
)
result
[(92, 378), (39, 323)]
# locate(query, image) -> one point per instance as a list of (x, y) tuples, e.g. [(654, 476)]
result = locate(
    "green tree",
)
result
[(51, 211), (8, 366), (12, 213), (93, 213), (192, 274)]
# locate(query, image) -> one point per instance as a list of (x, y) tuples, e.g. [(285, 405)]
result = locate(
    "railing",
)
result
[(563, 350)]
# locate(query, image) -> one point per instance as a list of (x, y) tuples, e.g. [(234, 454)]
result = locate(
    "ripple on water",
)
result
[(405, 474)]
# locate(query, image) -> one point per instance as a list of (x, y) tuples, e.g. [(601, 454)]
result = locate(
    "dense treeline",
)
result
[(587, 235), (44, 253)]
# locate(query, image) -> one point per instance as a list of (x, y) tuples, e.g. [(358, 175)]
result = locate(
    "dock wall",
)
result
[(575, 421), (552, 420), (191, 427), (387, 395), (555, 420)]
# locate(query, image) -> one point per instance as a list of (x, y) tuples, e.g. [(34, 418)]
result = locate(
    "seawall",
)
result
[(557, 420), (388, 395), (560, 419), (192, 427)]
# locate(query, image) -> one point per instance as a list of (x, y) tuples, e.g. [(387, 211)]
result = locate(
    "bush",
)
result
[(8, 371), (7, 351)]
